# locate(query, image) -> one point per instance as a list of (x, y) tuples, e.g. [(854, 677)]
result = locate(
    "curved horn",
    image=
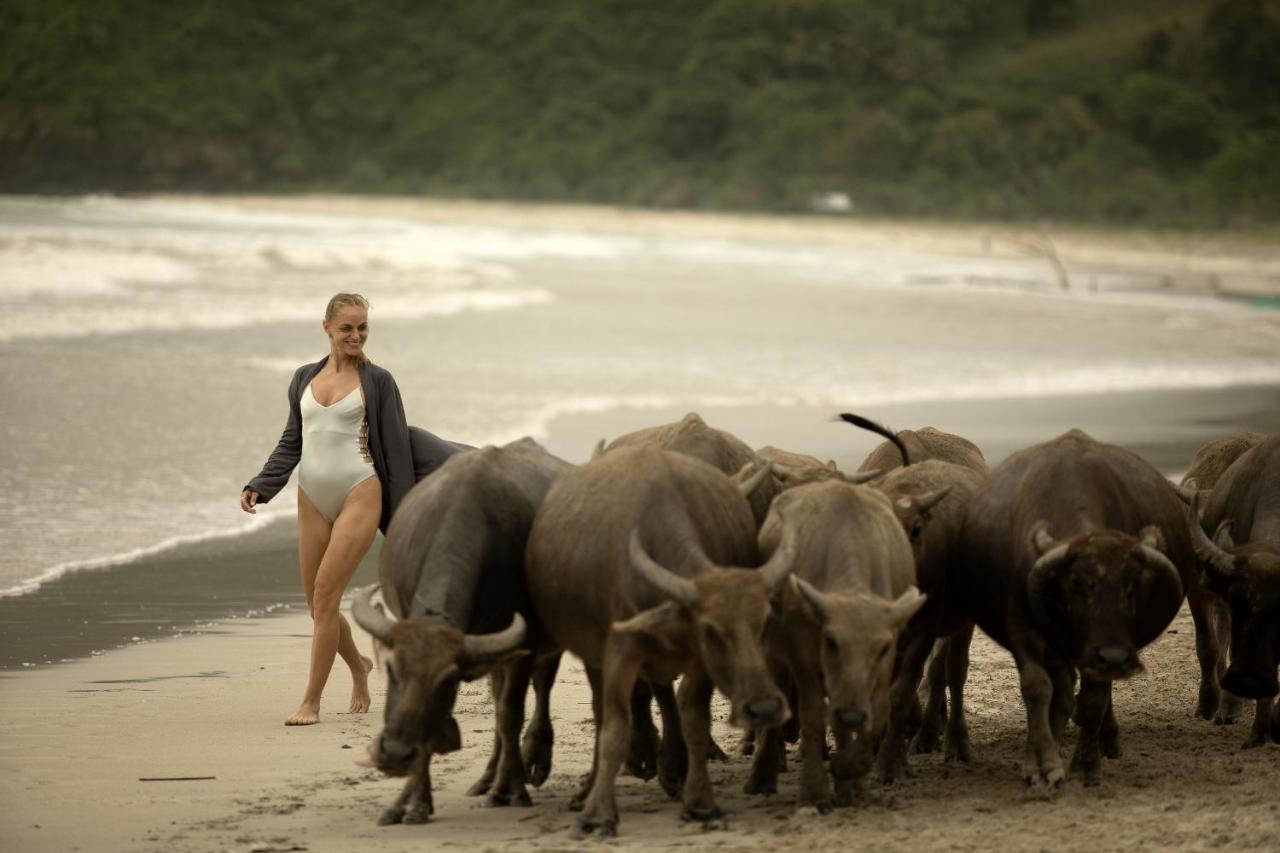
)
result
[(816, 598), (780, 564), (482, 647), (599, 450), (673, 586), (929, 500), (1052, 555), (859, 477), (751, 483), (1222, 536), (370, 617), (1186, 491), (1214, 558), (1152, 540)]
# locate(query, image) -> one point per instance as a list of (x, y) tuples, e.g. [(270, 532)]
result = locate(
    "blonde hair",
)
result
[(346, 300)]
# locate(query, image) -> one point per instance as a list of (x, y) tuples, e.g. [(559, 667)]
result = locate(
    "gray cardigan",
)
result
[(402, 455)]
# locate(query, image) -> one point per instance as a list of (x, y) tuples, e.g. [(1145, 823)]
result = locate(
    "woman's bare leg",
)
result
[(348, 541)]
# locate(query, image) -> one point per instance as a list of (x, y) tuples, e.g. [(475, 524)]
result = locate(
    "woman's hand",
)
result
[(248, 500)]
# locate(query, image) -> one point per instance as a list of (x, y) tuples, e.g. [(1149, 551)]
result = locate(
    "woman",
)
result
[(347, 428)]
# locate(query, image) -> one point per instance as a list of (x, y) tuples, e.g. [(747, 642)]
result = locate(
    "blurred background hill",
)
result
[(1154, 112)]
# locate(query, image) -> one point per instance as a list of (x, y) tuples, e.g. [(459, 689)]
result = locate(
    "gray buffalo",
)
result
[(640, 563), (852, 592), (721, 450), (1242, 565), (452, 571), (1074, 556)]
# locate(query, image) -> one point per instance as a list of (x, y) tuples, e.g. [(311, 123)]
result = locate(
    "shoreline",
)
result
[(198, 587)]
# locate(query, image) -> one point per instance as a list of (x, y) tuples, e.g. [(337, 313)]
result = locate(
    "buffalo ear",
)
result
[(661, 630), (447, 738)]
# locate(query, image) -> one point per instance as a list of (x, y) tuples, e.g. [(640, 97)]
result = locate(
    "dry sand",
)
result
[(76, 739)]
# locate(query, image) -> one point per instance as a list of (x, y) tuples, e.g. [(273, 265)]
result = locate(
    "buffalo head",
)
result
[(1247, 577), (1092, 591), (859, 639), (427, 661), (720, 615)]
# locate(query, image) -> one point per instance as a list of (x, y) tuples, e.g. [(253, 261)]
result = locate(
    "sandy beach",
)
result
[(77, 740)]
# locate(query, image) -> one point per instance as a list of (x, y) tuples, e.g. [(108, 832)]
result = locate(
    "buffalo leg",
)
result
[(1062, 705), (673, 759), (1208, 652), (621, 671), (957, 742), (694, 698), (595, 680), (642, 753), (1230, 705), (509, 713), (815, 786), (414, 805), (1094, 702), (933, 691), (1042, 765), (485, 782), (892, 759), (1264, 725), (765, 761), (539, 737)]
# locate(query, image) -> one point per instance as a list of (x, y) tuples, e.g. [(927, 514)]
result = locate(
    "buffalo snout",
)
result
[(1113, 658), (767, 711), (1250, 685), (851, 718), (395, 757)]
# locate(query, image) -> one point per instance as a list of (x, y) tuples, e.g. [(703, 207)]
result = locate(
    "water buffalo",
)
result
[(930, 499), (1242, 565), (452, 571), (721, 450), (1074, 555), (851, 593), (626, 567), (1207, 466), (930, 494)]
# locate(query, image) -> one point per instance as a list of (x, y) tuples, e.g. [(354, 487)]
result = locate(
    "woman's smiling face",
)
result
[(348, 330)]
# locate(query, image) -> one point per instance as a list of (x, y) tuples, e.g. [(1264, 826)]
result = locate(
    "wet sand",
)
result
[(77, 740)]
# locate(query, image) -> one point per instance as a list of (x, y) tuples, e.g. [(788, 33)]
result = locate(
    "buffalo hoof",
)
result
[(480, 787), (601, 830), (391, 816), (712, 818), (417, 813), (1207, 707), (927, 740), (1228, 711), (1254, 740), (1043, 781), (497, 800), (536, 755), (815, 807), (760, 784), (845, 793), (959, 749), (715, 753), (1109, 744)]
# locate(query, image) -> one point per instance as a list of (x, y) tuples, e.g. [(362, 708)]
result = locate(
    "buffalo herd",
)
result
[(828, 607)]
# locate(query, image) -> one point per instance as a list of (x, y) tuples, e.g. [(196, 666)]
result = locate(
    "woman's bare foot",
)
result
[(360, 688), (306, 715)]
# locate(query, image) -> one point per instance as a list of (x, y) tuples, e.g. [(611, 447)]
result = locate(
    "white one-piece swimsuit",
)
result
[(335, 450)]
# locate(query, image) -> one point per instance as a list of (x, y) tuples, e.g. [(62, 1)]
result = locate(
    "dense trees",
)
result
[(1159, 111)]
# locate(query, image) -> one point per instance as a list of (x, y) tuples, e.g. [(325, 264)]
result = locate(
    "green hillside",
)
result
[(1082, 110)]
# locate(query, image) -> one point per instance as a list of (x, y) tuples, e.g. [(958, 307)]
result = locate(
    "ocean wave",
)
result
[(255, 523), (1082, 381)]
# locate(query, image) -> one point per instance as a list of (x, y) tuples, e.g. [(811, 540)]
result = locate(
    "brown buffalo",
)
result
[(1074, 555), (640, 564), (1242, 565)]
